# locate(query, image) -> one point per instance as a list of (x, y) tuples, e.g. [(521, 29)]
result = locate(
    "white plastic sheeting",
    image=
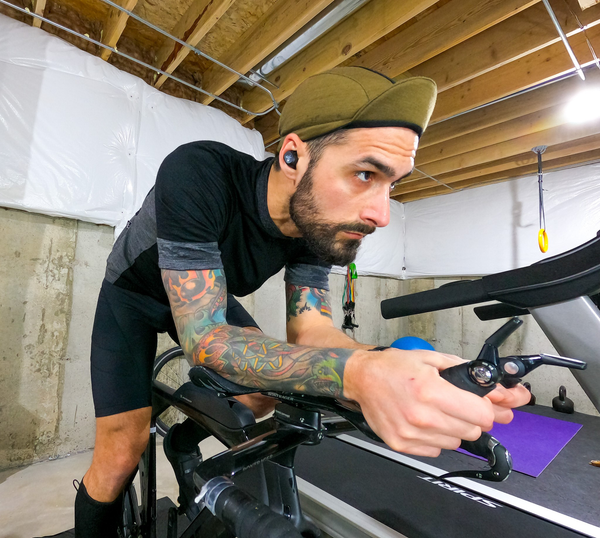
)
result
[(495, 228), (82, 139)]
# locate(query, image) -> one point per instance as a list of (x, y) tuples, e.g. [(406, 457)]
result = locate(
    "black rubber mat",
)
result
[(419, 506)]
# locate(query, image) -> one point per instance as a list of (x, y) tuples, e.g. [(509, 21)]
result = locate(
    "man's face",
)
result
[(345, 195)]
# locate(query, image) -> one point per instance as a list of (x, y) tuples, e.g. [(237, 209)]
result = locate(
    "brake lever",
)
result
[(498, 458), (481, 377)]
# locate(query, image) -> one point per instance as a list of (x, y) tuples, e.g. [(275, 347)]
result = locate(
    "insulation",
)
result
[(81, 139), (495, 228)]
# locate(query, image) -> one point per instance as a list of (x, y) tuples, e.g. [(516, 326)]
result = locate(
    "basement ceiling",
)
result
[(503, 73)]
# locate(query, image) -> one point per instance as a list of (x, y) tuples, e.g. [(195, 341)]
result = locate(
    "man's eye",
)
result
[(364, 176)]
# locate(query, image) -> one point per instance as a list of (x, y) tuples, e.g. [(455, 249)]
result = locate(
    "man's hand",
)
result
[(414, 410)]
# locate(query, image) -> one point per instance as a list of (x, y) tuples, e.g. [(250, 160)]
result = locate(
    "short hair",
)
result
[(317, 146)]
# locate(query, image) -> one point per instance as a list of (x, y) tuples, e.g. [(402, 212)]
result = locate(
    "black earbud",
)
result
[(290, 158)]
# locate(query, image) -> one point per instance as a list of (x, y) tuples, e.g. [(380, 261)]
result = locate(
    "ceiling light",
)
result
[(584, 106)]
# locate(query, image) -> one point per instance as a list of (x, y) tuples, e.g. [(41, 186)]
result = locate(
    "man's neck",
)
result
[(278, 202)]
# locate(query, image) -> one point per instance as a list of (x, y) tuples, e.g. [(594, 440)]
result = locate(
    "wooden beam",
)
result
[(495, 47), (279, 23), (587, 143), (114, 26), (585, 4), (520, 105), (516, 146), (449, 25), (38, 9), (372, 21), (526, 72), (535, 122), (571, 159), (522, 34), (200, 17)]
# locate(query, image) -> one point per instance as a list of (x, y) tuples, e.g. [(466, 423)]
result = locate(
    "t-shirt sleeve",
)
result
[(305, 269), (192, 202)]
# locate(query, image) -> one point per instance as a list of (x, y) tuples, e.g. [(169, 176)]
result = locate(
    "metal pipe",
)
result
[(564, 39), (192, 48), (139, 62)]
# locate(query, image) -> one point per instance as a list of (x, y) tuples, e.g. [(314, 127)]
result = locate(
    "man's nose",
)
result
[(376, 210)]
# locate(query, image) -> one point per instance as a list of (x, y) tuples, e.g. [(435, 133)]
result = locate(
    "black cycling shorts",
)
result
[(124, 342)]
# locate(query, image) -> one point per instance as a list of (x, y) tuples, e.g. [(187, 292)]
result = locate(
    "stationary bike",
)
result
[(250, 489)]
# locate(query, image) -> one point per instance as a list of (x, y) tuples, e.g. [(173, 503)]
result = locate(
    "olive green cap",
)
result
[(355, 97)]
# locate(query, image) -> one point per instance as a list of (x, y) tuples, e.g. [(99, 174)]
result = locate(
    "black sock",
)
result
[(94, 519), (187, 436)]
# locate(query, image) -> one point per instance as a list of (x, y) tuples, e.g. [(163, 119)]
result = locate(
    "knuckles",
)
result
[(420, 419)]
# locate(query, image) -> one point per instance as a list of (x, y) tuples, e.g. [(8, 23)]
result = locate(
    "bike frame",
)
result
[(261, 455)]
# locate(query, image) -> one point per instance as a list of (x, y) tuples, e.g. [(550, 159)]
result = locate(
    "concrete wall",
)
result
[(49, 280), (50, 275)]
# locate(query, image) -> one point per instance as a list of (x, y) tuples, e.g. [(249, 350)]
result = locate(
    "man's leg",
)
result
[(120, 442), (123, 350)]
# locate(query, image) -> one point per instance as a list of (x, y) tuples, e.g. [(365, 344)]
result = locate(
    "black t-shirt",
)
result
[(208, 210)]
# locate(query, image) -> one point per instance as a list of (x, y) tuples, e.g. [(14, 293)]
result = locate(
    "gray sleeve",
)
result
[(302, 274), (177, 256)]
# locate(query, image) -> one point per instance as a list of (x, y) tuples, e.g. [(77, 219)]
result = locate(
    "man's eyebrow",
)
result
[(388, 171)]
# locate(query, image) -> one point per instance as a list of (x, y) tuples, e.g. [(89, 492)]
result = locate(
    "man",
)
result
[(219, 221)]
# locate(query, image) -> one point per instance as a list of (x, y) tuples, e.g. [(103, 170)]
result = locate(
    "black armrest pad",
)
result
[(205, 377)]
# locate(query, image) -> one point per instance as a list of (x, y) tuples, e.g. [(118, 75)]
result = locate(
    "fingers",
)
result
[(502, 415), (414, 440), (515, 397), (463, 405)]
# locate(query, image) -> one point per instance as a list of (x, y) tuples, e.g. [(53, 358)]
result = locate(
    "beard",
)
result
[(319, 234)]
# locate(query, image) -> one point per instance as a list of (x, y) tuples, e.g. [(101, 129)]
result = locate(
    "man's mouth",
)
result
[(353, 235)]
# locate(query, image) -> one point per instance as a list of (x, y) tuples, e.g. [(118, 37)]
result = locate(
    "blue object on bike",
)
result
[(412, 342)]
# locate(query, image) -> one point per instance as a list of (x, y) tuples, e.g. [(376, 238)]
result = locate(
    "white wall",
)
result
[(494, 228)]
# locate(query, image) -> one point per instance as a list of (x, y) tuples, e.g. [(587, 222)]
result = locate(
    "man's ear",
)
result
[(293, 158)]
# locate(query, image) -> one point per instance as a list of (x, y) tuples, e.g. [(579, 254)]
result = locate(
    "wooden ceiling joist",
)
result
[(503, 166), (451, 24), (545, 97), (526, 72), (38, 8), (366, 25), (515, 146), (571, 158), (512, 39), (200, 17), (114, 26), (535, 122), (280, 22), (522, 34), (585, 4)]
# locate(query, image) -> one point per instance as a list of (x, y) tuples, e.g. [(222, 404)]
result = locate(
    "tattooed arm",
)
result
[(309, 321), (401, 393), (199, 301)]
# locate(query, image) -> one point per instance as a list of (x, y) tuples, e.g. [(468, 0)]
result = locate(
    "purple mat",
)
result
[(533, 441)]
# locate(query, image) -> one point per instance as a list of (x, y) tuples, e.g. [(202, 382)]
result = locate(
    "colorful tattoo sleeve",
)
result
[(302, 299), (199, 302)]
